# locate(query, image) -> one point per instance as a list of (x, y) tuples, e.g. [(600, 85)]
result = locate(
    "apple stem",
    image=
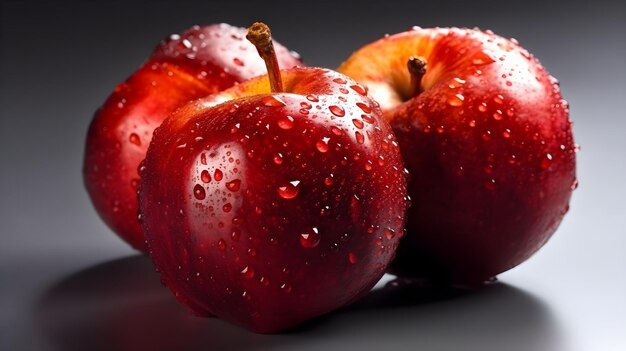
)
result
[(260, 35), (417, 69)]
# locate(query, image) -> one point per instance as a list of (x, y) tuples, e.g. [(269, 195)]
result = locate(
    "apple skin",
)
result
[(270, 209), (488, 144), (196, 63)]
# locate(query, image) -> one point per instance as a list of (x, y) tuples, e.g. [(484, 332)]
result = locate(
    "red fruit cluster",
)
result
[(273, 200)]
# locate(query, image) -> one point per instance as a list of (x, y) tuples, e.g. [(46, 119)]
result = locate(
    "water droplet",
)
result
[(251, 252), (328, 180), (290, 190), (482, 58), (238, 62), (358, 123), (339, 81), (285, 122), (490, 184), (278, 158), (312, 98), (472, 123), (134, 138), (227, 207), (322, 145), (506, 133), (389, 233), (285, 287), (546, 162), (343, 90), (498, 99), (273, 101), (337, 110), (574, 185), (359, 137), (199, 192), (306, 105), (248, 272), (236, 234), (203, 159), (218, 175), (205, 176), (221, 244), (456, 100), (233, 185), (497, 115), (369, 119), (482, 107), (352, 258), (310, 238), (364, 107), (359, 89)]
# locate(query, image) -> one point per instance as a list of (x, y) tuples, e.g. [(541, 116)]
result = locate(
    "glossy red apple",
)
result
[(274, 207), (196, 63), (487, 140)]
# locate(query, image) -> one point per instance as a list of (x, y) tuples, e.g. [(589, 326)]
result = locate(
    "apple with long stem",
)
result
[(196, 63), (274, 201), (487, 140)]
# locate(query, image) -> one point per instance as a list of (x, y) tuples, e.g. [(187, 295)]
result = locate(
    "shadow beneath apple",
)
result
[(121, 305)]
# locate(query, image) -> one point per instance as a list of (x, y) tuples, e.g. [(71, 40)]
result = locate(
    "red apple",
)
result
[(196, 63), (274, 206), (488, 143)]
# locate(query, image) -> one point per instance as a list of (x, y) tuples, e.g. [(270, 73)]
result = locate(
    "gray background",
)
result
[(66, 282)]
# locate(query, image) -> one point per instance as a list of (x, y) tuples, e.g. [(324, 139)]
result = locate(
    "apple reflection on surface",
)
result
[(121, 305)]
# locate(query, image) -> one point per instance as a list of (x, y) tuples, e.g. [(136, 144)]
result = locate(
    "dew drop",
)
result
[(337, 110), (482, 107), (546, 162), (574, 185), (227, 207), (506, 133), (221, 244), (364, 107), (490, 184), (352, 258), (285, 287), (322, 145), (472, 123), (358, 123), (236, 234), (134, 138), (285, 122), (359, 89), (290, 190), (238, 62), (389, 233), (497, 115), (310, 238), (369, 119), (203, 159), (339, 81), (312, 98), (233, 185), (251, 252), (199, 192), (218, 175), (359, 137), (456, 100), (248, 272), (205, 176), (278, 158), (498, 99), (328, 181), (273, 101)]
